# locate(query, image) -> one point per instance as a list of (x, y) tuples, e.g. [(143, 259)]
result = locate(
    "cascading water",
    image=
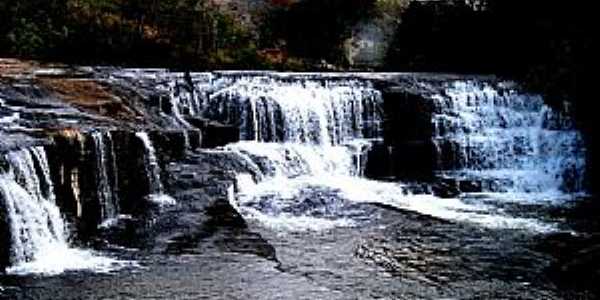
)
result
[(307, 139), (157, 192), (509, 141), (328, 113), (38, 242), (36, 222), (107, 191), (268, 109)]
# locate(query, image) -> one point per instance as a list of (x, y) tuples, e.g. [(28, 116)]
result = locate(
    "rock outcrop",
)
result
[(99, 126)]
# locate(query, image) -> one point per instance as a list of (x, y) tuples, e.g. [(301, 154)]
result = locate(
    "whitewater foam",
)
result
[(39, 239), (162, 200), (57, 259), (285, 191)]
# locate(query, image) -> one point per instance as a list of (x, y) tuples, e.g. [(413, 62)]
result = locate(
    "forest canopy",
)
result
[(177, 33)]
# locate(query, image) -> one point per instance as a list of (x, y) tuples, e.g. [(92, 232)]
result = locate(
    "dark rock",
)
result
[(470, 186), (450, 155), (577, 259), (4, 166), (169, 144), (379, 162), (407, 116), (222, 214), (215, 134), (133, 180), (408, 132), (446, 188), (195, 139), (65, 157), (415, 160), (74, 170)]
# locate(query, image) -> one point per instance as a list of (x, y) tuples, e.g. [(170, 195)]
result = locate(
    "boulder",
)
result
[(446, 188), (215, 134)]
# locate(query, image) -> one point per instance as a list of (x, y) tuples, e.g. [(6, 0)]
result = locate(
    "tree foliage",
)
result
[(315, 29), (192, 33)]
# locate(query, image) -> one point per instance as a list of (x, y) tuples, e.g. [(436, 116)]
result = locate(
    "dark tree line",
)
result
[(512, 37), (315, 29), (197, 34), (192, 33)]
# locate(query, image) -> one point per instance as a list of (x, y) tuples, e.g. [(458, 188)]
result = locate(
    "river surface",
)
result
[(395, 254), (471, 176)]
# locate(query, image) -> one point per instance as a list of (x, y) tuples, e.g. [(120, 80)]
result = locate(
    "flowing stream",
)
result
[(39, 239), (303, 137), (286, 210)]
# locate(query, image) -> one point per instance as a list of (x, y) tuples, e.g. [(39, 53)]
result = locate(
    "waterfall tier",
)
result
[(498, 134), (292, 160), (301, 134), (106, 175), (266, 109), (35, 221), (38, 236), (157, 190)]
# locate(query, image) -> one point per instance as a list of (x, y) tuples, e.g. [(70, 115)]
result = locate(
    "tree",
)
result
[(315, 28)]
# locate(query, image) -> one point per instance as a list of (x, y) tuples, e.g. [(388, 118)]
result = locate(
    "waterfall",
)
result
[(151, 164), (299, 131), (510, 141), (308, 187), (38, 237), (107, 191), (157, 193), (186, 98), (304, 111), (301, 135), (35, 221), (307, 140), (292, 160), (270, 109)]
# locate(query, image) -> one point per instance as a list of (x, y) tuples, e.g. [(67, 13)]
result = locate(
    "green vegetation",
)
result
[(194, 34), (175, 33)]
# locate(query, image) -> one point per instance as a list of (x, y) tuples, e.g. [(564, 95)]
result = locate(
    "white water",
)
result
[(301, 133), (332, 176), (114, 221), (9, 120), (157, 191), (275, 110), (38, 235), (507, 138), (511, 141), (291, 160), (105, 161)]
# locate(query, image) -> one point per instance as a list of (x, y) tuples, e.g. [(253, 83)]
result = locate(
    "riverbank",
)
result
[(316, 185)]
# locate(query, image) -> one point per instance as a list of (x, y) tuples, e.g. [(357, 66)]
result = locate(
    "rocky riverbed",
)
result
[(230, 185)]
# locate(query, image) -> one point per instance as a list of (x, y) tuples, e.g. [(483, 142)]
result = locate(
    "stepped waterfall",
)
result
[(315, 133), (329, 184), (513, 141)]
